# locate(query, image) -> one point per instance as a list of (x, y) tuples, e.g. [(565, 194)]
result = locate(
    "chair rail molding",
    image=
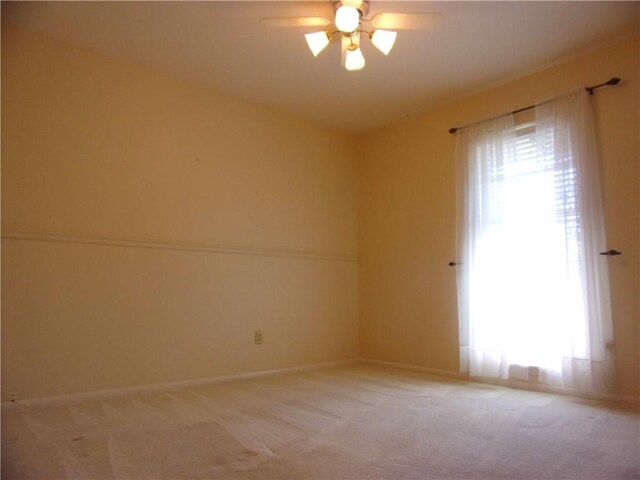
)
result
[(179, 246)]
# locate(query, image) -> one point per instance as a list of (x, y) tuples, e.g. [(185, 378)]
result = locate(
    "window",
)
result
[(532, 289)]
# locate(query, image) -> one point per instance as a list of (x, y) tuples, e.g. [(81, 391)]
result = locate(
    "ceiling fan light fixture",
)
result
[(317, 41), (351, 20), (347, 19), (354, 59), (383, 40)]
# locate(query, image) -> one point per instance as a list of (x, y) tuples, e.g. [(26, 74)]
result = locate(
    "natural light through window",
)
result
[(527, 262)]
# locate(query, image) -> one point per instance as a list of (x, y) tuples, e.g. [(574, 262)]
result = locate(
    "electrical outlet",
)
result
[(258, 337), (13, 397)]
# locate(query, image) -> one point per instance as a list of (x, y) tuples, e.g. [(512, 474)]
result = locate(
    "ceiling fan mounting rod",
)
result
[(363, 8)]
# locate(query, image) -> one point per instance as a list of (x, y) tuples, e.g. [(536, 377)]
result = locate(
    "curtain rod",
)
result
[(612, 81)]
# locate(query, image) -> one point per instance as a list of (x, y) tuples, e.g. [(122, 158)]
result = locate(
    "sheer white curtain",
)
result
[(533, 290)]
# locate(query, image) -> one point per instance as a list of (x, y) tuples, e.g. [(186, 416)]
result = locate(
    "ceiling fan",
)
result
[(350, 21)]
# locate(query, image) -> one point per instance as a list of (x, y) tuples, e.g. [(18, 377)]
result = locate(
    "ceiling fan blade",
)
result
[(295, 21), (406, 21)]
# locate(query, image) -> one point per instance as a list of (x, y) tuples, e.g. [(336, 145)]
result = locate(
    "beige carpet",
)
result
[(356, 422)]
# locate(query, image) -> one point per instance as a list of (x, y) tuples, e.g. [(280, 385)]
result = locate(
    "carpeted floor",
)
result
[(355, 422)]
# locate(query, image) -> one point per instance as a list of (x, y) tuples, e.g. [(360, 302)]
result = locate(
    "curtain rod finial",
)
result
[(613, 81), (453, 130)]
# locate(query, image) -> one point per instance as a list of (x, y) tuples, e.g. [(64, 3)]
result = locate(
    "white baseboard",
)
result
[(507, 383), (169, 386), (165, 386), (416, 368)]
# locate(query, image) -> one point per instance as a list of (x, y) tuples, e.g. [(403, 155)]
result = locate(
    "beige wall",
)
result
[(98, 149), (407, 214), (94, 147)]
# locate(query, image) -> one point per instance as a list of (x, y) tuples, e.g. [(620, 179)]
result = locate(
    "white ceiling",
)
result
[(223, 45)]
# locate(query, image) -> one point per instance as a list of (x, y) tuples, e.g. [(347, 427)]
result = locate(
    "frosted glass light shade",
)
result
[(347, 19), (317, 42), (354, 60), (384, 40)]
